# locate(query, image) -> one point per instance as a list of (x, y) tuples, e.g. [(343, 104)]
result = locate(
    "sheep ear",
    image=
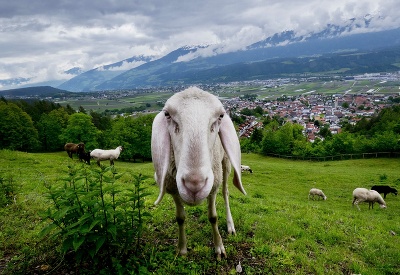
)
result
[(160, 151), (231, 144)]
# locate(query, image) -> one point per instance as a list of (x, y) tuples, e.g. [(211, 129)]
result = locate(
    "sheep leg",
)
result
[(212, 217), (229, 220), (371, 204), (180, 219), (355, 202)]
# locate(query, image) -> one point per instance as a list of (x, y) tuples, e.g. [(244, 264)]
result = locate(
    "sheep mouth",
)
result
[(193, 198)]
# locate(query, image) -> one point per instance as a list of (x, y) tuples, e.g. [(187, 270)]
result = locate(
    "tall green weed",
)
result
[(97, 217), (8, 190)]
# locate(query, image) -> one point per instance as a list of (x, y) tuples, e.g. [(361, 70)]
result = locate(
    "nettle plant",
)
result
[(97, 216), (8, 190)]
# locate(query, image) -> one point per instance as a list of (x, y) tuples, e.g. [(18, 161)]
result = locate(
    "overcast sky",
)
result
[(41, 39)]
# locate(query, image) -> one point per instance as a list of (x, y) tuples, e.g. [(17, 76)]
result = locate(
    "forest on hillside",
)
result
[(44, 126)]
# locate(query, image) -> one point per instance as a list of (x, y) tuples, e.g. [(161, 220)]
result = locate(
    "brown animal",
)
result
[(72, 148)]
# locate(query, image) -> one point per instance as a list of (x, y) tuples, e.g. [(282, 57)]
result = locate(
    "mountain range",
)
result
[(350, 48)]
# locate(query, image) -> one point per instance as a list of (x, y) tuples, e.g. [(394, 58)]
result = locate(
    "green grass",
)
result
[(279, 231)]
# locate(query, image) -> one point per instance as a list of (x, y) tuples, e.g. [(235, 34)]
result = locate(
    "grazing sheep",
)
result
[(246, 168), (72, 148), (99, 154), (193, 145), (316, 192), (370, 196), (85, 156), (384, 189)]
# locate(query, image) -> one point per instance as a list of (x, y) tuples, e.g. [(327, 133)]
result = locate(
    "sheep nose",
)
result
[(194, 183)]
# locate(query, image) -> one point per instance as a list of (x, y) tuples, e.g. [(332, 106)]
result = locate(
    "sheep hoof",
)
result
[(183, 251), (220, 252)]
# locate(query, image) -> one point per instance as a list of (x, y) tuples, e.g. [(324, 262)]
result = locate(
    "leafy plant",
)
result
[(96, 217), (8, 190), (383, 177)]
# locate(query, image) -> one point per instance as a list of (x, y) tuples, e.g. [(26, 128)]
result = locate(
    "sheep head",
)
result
[(189, 130)]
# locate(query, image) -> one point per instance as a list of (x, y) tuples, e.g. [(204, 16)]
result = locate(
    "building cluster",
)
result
[(306, 109)]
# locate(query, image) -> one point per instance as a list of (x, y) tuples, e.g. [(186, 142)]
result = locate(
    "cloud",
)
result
[(42, 40), (123, 67)]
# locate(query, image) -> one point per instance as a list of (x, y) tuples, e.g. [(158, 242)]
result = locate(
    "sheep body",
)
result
[(316, 192), (85, 156), (244, 168), (385, 189), (194, 144), (73, 148), (370, 196), (100, 154)]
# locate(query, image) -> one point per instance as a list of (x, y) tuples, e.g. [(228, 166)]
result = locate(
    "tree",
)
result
[(35, 108), (69, 109), (16, 129), (345, 105), (102, 122), (257, 136), (247, 112), (325, 132), (134, 134), (81, 110), (258, 110), (50, 126), (80, 128), (317, 123), (387, 141), (340, 144)]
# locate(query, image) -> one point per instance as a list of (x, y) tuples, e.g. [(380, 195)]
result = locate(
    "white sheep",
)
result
[(316, 192), (370, 196), (193, 145), (100, 154), (244, 168)]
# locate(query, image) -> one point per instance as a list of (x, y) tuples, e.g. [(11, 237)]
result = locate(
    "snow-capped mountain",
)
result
[(185, 65), (88, 81)]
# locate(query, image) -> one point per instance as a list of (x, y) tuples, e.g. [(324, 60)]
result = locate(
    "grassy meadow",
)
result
[(279, 231)]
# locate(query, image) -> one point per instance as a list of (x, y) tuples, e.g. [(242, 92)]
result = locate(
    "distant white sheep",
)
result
[(246, 168), (193, 144), (100, 154), (370, 196), (316, 192)]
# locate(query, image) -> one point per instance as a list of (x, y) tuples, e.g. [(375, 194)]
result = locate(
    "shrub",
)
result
[(8, 190), (96, 217)]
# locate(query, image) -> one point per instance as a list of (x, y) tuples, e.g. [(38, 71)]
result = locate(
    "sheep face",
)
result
[(194, 130), (190, 130)]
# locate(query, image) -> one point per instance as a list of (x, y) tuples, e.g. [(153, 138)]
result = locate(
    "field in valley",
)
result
[(279, 231), (152, 99)]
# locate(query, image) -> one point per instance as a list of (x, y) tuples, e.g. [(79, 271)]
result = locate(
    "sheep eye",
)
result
[(221, 117), (167, 115)]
